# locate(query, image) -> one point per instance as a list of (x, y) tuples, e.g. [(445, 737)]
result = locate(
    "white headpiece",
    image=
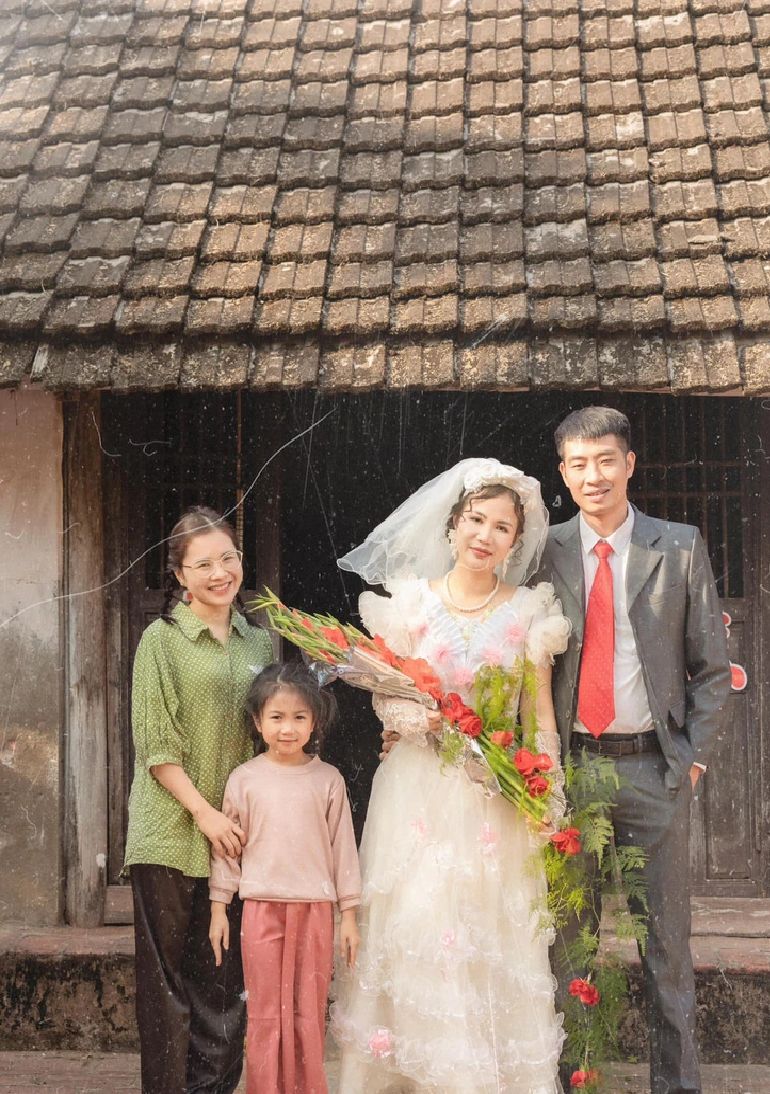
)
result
[(412, 541)]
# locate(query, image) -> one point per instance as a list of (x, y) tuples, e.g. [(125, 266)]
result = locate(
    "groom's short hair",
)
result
[(589, 424)]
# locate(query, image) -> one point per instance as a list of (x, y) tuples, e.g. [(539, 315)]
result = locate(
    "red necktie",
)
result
[(596, 694)]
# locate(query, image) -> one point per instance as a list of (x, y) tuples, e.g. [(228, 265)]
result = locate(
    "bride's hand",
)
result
[(389, 738), (434, 720), (544, 827)]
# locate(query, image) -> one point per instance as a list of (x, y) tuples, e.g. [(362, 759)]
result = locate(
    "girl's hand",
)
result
[(219, 930), (224, 835), (349, 937)]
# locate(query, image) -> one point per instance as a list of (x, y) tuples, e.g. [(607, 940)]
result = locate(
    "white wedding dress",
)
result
[(452, 992)]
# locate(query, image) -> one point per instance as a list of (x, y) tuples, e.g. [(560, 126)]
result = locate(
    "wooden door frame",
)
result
[(85, 709), (762, 603)]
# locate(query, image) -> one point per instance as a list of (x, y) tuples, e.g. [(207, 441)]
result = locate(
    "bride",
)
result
[(453, 992)]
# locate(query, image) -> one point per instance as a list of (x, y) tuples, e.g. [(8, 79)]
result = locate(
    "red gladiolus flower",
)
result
[(383, 650), (502, 737), (470, 724), (582, 1079), (453, 708), (543, 762), (418, 669), (585, 992), (537, 785), (567, 841), (335, 636), (436, 693), (525, 762)]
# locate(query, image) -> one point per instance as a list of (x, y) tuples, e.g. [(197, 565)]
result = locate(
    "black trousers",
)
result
[(648, 815), (191, 1014)]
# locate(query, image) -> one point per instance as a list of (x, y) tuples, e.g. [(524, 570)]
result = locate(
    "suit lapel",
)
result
[(642, 556), (567, 561)]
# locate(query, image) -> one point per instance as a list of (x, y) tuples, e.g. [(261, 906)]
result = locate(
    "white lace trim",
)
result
[(402, 716), (466, 1056)]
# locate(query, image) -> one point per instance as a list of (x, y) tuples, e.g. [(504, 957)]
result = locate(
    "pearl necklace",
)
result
[(476, 607)]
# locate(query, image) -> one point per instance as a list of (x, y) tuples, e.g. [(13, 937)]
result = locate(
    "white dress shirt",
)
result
[(632, 708)]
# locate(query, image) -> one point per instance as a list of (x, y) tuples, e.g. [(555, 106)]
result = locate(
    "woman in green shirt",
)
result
[(192, 671)]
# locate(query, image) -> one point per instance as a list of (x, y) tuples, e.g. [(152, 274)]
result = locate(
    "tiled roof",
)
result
[(365, 192)]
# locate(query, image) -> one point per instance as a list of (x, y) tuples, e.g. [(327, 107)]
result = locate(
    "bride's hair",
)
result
[(494, 490)]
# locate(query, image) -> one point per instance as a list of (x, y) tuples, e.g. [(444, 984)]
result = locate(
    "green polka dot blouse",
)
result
[(188, 708)]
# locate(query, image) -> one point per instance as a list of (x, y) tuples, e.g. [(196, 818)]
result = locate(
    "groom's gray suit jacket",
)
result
[(678, 628)]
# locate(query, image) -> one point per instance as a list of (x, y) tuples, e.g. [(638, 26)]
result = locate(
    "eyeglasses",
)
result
[(231, 560)]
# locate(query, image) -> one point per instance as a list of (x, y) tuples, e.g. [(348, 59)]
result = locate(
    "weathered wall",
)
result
[(31, 661)]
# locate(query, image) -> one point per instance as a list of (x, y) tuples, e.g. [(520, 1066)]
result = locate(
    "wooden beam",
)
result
[(85, 828)]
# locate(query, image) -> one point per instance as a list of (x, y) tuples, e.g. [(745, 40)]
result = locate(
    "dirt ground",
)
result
[(118, 1073)]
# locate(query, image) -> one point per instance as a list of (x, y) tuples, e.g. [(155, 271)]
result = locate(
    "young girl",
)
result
[(192, 672), (299, 857)]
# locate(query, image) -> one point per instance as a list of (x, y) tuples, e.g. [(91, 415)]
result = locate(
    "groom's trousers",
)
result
[(650, 816)]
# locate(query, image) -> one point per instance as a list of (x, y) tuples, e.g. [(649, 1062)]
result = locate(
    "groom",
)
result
[(644, 681)]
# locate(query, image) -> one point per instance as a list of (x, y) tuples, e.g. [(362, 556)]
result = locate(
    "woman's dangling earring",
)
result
[(186, 595), (452, 537), (507, 560)]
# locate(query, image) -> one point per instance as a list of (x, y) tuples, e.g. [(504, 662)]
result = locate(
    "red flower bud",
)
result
[(525, 762), (502, 737), (586, 992), (470, 724), (537, 786), (567, 841), (582, 1079)]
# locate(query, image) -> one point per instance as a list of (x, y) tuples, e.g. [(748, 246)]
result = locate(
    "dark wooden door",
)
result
[(163, 453), (698, 462)]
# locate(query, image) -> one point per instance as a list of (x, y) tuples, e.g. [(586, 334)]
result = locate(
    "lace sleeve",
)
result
[(549, 630), (548, 742), (403, 717)]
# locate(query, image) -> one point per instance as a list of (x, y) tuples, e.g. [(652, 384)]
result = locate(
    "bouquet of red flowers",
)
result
[(339, 651)]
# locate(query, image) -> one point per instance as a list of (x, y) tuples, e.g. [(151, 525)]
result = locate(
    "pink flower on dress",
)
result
[(419, 628), (493, 655), (381, 1043), (448, 939), (488, 840), (515, 633), (463, 676), (441, 654), (419, 827)]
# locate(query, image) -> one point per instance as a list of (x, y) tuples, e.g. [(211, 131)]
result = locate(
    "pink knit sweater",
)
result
[(300, 845)]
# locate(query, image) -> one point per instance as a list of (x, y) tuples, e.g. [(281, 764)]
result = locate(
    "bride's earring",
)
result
[(452, 537), (507, 561)]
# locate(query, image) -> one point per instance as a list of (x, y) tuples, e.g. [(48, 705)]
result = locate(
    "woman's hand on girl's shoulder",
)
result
[(225, 836)]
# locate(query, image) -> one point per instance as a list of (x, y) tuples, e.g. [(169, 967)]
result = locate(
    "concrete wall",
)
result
[(31, 657)]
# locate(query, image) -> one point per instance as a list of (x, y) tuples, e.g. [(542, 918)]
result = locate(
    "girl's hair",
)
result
[(195, 522), (294, 676), (494, 490)]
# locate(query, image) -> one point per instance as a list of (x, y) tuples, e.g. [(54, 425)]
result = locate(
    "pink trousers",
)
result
[(288, 953)]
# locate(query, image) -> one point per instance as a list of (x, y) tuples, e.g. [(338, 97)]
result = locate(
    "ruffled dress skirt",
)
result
[(453, 991)]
